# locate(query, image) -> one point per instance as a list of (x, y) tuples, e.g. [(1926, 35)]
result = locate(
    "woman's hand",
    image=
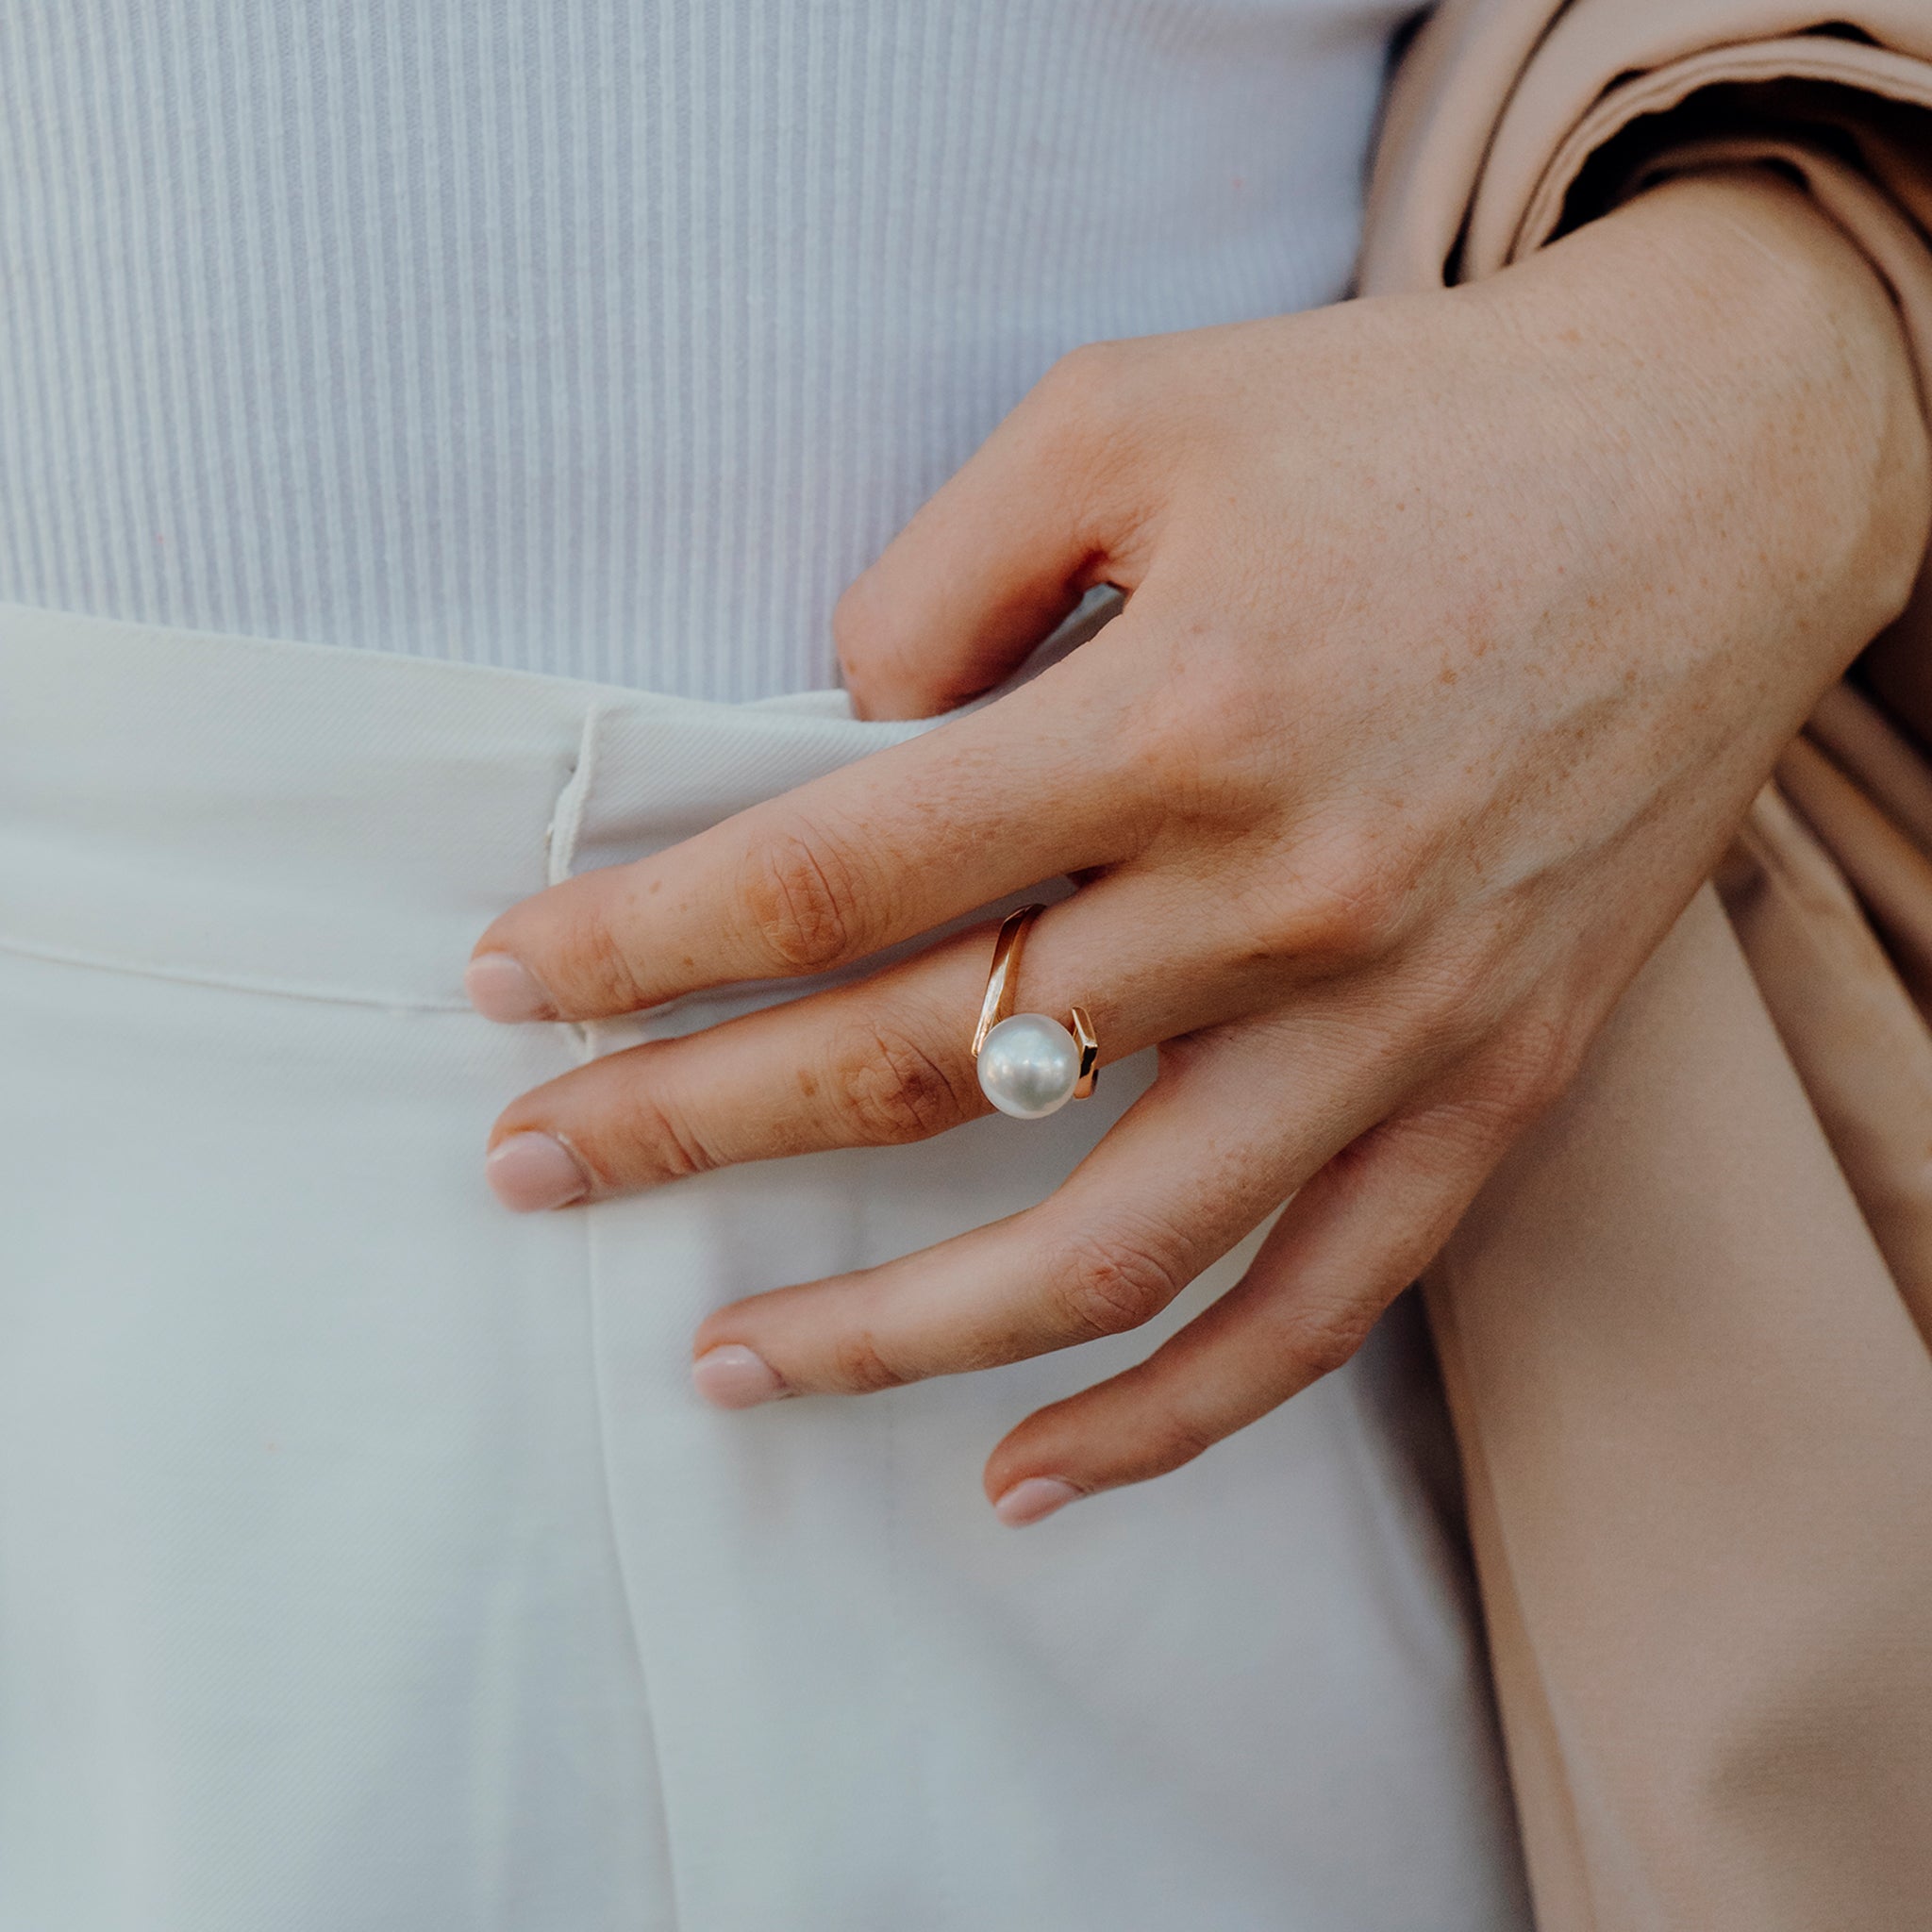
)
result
[(1461, 631)]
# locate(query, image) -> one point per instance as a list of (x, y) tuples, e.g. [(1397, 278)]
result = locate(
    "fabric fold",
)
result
[(1685, 1328)]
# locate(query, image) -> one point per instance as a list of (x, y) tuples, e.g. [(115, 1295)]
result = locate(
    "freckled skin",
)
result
[(1461, 631)]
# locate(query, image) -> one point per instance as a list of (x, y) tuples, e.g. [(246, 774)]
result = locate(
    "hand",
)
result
[(1460, 632)]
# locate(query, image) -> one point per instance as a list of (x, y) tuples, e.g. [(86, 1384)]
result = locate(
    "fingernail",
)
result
[(1036, 1496), (531, 1172), (736, 1378), (503, 989)]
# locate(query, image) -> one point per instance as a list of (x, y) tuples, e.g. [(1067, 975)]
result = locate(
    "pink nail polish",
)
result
[(503, 989), (1034, 1497), (733, 1376), (532, 1171)]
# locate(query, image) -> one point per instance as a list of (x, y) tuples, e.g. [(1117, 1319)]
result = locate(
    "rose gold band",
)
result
[(998, 1002)]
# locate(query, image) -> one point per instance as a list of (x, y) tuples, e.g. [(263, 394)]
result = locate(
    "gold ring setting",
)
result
[(1029, 1064)]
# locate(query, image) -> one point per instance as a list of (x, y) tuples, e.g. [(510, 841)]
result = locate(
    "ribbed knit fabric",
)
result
[(607, 338)]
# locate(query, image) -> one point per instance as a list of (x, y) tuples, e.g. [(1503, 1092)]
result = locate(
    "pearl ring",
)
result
[(1029, 1065)]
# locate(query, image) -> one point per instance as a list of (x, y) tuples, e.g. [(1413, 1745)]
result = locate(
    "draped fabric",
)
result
[(1685, 1328)]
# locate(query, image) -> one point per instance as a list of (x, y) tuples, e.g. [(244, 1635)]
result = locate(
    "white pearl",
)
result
[(1029, 1066)]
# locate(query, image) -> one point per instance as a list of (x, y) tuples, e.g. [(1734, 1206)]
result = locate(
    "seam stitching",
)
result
[(560, 838), (560, 843), (221, 982)]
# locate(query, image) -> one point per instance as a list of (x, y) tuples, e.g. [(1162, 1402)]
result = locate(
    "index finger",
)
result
[(884, 849)]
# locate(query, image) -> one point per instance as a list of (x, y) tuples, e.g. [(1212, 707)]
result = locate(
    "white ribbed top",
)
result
[(609, 338)]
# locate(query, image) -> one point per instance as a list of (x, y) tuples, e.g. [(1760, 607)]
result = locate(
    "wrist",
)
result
[(1725, 312)]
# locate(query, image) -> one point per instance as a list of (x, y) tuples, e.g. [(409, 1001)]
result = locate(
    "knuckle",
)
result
[(1108, 1284), (1085, 409), (1175, 1437), (1321, 1337), (1221, 712), (1332, 911), (1454, 993), (1351, 899), (892, 1089), (1093, 423), (860, 1366), (1208, 749), (1085, 377), (1528, 1070), (867, 623), (596, 970), (654, 1139), (1183, 745), (802, 899)]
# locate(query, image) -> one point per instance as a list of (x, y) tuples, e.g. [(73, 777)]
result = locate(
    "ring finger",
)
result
[(885, 1060)]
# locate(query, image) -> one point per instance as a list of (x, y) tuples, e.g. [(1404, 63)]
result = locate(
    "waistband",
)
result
[(339, 823)]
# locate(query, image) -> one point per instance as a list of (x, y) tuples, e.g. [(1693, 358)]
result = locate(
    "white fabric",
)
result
[(610, 338), (366, 1563)]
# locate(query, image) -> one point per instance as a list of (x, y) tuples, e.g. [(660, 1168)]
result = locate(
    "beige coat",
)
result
[(1685, 1329)]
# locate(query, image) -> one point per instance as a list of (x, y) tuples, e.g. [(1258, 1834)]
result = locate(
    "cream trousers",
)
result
[(365, 1558)]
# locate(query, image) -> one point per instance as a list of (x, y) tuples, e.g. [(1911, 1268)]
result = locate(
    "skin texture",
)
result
[(1461, 630)]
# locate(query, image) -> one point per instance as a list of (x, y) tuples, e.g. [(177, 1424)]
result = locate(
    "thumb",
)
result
[(1002, 552)]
